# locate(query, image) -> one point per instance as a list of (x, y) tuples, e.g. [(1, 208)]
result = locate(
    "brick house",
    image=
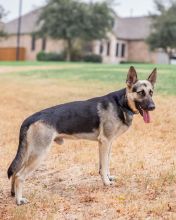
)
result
[(126, 42), (28, 40)]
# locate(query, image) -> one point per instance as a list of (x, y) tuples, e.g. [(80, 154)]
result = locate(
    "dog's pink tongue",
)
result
[(146, 116)]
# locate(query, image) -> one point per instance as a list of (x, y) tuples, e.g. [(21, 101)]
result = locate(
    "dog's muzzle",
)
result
[(144, 108)]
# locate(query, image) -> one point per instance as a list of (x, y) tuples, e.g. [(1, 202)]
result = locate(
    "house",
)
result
[(28, 40), (125, 43)]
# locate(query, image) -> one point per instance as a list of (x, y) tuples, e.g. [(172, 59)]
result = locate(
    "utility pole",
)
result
[(19, 32)]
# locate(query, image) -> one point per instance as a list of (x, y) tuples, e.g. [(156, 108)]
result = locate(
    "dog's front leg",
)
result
[(104, 147), (111, 178)]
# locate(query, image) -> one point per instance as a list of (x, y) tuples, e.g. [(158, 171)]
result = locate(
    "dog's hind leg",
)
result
[(39, 139), (32, 163)]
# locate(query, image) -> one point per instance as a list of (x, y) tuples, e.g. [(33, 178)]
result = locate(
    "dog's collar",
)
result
[(122, 102), (127, 110), (124, 106)]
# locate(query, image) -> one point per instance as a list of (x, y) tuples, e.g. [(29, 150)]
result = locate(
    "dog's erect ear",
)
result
[(153, 76), (131, 77)]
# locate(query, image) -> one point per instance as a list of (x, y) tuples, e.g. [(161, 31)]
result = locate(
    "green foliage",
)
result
[(2, 15), (2, 12), (2, 33), (42, 56), (93, 58), (134, 62), (75, 55), (73, 19), (164, 27), (69, 19)]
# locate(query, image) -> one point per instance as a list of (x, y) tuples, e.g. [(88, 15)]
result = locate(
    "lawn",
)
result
[(106, 74), (67, 184)]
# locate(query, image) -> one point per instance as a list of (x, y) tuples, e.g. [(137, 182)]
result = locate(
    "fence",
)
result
[(9, 53)]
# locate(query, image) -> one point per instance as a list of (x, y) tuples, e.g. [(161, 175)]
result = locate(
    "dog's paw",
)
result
[(106, 182), (112, 178), (22, 201)]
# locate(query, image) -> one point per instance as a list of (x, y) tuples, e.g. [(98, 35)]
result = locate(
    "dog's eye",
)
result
[(141, 93), (151, 92)]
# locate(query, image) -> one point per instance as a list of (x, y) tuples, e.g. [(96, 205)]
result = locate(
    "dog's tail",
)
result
[(17, 163)]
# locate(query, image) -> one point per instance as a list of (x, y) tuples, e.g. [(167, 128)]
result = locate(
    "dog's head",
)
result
[(140, 92)]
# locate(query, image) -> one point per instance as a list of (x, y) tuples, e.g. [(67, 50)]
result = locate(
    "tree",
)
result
[(164, 27), (2, 15), (73, 19)]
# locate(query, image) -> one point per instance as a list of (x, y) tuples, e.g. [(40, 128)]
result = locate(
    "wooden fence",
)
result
[(9, 53)]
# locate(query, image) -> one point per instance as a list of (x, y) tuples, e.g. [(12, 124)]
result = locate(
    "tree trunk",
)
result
[(170, 56), (69, 49)]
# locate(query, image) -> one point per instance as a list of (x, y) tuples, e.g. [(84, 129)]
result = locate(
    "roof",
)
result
[(28, 23), (130, 28), (133, 28)]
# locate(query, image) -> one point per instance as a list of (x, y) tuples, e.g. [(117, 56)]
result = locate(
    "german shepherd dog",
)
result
[(102, 119)]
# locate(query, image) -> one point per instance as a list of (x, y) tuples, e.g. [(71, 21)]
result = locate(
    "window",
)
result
[(43, 43), (117, 49), (108, 48), (101, 48), (33, 42), (123, 50)]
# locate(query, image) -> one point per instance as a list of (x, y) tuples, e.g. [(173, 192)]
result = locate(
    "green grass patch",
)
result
[(104, 73), (29, 63)]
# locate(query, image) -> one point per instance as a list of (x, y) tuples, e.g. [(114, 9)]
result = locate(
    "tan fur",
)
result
[(110, 128), (39, 139), (131, 96), (110, 125)]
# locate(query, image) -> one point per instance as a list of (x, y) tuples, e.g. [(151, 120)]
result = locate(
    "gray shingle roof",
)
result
[(28, 23), (131, 28)]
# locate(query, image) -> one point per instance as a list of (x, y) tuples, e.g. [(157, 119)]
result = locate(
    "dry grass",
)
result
[(67, 184)]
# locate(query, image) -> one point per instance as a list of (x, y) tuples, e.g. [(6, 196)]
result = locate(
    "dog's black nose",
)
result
[(151, 106)]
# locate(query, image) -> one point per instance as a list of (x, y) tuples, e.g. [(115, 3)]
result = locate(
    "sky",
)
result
[(124, 8)]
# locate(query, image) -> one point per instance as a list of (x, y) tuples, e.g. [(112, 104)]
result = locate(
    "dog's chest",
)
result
[(111, 124)]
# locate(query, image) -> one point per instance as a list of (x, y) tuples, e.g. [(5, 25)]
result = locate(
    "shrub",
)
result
[(76, 55), (42, 56), (133, 62), (92, 58)]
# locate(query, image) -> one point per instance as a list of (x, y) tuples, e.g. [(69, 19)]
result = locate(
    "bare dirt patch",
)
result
[(67, 184)]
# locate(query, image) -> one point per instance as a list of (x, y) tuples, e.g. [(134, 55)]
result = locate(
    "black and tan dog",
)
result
[(102, 119)]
